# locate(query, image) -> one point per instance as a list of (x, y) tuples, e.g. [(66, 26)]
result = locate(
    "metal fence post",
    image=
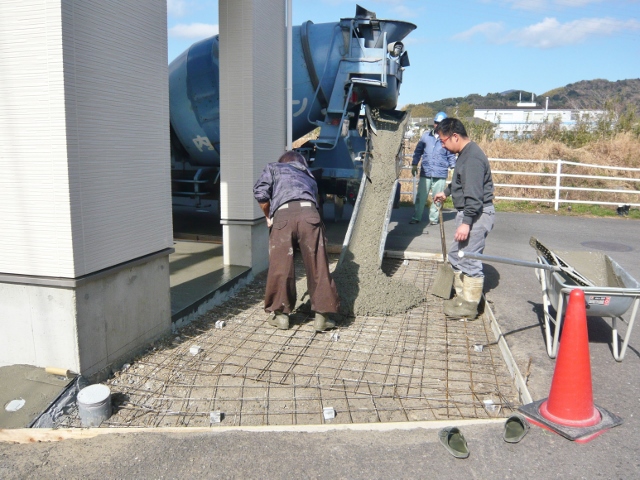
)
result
[(558, 176)]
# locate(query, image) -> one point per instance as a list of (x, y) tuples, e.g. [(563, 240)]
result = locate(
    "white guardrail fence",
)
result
[(559, 188)]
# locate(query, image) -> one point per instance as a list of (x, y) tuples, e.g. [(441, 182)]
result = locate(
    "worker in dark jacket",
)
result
[(436, 162), (287, 194), (471, 190)]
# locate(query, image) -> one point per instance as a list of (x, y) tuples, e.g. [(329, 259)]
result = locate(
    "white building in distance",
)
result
[(527, 117)]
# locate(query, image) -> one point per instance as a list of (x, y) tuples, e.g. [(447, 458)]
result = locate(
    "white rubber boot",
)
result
[(279, 320), (458, 287), (322, 322), (457, 283), (472, 291), (471, 296)]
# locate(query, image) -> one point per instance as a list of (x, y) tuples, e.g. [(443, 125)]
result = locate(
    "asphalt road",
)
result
[(515, 296)]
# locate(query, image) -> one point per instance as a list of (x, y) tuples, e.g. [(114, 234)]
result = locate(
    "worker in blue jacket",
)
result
[(436, 162), (287, 193)]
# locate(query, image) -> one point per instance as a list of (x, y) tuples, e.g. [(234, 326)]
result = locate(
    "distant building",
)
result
[(527, 117)]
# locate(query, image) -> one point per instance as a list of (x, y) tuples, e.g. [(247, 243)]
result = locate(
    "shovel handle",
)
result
[(510, 261), (442, 239)]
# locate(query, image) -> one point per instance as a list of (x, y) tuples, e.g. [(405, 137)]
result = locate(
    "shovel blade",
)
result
[(443, 282)]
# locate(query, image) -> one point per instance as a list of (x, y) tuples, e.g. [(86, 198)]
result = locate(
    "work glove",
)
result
[(414, 170)]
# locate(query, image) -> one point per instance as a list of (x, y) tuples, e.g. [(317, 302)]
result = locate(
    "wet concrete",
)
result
[(197, 272), (514, 293), (30, 386), (363, 287)]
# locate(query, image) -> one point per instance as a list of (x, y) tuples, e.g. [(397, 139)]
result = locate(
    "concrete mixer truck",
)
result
[(339, 70)]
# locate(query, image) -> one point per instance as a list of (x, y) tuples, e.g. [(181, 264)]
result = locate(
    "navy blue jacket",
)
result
[(436, 160), (281, 183)]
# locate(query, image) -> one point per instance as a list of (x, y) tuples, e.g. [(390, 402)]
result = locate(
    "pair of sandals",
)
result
[(515, 428)]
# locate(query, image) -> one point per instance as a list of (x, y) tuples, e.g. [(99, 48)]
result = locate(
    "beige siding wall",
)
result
[(84, 145)]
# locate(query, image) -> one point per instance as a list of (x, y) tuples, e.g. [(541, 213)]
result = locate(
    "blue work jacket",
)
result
[(436, 160), (281, 183)]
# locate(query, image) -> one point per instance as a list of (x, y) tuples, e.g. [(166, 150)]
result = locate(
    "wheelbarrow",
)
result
[(614, 292), (609, 290)]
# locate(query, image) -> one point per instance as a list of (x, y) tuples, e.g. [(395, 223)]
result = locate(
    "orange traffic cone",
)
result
[(569, 410), (570, 400)]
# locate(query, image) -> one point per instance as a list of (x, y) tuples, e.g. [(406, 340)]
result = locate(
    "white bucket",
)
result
[(94, 405)]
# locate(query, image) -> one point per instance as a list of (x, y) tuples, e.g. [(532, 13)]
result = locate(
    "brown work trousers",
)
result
[(298, 224)]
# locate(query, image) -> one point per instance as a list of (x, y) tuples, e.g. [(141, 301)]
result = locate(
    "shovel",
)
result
[(444, 277)]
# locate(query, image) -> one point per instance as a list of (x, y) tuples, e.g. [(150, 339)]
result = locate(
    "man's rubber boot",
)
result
[(468, 310), (472, 288), (471, 296), (279, 320), (458, 287), (458, 284), (322, 322)]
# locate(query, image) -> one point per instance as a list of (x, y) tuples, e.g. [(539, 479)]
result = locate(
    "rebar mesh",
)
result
[(411, 367)]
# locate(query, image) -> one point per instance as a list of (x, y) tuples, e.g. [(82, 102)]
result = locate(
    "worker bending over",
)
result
[(287, 193)]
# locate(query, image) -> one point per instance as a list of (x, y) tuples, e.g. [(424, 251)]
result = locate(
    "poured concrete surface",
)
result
[(406, 367), (364, 288), (31, 384), (515, 295), (197, 272)]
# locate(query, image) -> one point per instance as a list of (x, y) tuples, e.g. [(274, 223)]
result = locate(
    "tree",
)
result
[(421, 110), (465, 110)]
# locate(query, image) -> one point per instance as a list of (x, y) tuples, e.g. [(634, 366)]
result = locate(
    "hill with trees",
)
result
[(586, 94)]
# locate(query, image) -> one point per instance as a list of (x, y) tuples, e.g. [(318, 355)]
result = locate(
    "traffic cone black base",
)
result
[(576, 434)]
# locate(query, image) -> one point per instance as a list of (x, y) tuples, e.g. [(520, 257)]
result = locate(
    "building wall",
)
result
[(85, 184), (35, 218), (84, 149), (89, 327)]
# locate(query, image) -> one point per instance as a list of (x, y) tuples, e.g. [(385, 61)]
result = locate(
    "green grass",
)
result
[(576, 209), (573, 209)]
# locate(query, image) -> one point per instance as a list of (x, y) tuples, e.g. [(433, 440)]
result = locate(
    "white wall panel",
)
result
[(269, 83), (115, 63), (252, 98), (84, 144), (34, 189)]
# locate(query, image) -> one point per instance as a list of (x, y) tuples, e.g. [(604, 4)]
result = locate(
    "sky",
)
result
[(473, 46)]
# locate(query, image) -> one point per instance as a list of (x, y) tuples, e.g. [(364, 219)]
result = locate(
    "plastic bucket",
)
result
[(94, 405)]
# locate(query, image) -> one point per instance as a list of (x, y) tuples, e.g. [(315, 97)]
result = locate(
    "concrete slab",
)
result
[(512, 291), (197, 272), (515, 297), (412, 366), (31, 384)]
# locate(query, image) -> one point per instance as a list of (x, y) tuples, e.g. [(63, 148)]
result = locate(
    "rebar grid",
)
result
[(410, 367)]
